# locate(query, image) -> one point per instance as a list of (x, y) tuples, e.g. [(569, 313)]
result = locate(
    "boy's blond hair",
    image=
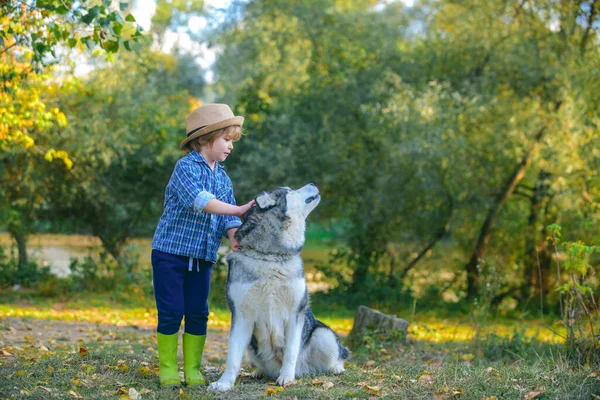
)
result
[(233, 132)]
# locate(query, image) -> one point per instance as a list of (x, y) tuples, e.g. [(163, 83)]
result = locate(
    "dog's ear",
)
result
[(264, 201)]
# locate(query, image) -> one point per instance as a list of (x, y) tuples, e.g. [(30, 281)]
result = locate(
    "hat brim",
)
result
[(235, 121)]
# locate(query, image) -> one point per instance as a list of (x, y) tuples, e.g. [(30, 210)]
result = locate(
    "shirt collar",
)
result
[(199, 158)]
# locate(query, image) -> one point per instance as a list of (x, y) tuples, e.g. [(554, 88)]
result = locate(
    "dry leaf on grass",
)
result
[(457, 392), (73, 393), (291, 383), (134, 394), (327, 385), (82, 351), (373, 389), (533, 394), (370, 363), (426, 379)]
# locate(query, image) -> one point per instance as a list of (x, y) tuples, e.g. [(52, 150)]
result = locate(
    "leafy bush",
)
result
[(27, 276)]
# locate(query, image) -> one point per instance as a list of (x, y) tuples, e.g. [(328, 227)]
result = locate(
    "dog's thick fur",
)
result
[(268, 298)]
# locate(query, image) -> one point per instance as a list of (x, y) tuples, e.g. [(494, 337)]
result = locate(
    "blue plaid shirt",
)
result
[(184, 229)]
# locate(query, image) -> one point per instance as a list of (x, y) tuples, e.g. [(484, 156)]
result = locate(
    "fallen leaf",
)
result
[(124, 368), (76, 381), (145, 391), (45, 388), (533, 394), (370, 363), (75, 394), (144, 371), (327, 385), (373, 389), (491, 398), (457, 392), (426, 379), (82, 351), (5, 353), (291, 383), (134, 394), (272, 390), (317, 382)]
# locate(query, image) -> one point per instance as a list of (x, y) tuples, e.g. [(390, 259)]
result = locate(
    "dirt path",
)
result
[(48, 334)]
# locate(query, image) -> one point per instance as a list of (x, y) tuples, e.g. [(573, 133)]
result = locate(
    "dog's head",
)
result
[(276, 223)]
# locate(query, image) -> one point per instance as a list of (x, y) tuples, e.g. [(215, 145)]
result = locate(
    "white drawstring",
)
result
[(192, 263)]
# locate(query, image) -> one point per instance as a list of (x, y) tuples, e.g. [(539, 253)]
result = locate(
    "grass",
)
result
[(446, 356), (412, 371)]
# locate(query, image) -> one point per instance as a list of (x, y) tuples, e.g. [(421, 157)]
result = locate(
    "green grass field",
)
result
[(102, 345)]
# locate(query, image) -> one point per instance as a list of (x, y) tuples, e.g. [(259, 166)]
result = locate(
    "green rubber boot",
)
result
[(167, 359), (193, 347)]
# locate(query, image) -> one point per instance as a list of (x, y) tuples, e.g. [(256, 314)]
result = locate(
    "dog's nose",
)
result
[(312, 184)]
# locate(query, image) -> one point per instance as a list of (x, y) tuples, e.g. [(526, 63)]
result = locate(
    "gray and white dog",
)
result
[(268, 298)]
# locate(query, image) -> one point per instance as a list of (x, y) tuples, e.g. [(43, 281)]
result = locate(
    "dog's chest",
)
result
[(275, 288)]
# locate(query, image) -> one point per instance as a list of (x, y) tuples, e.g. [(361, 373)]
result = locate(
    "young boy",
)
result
[(199, 209)]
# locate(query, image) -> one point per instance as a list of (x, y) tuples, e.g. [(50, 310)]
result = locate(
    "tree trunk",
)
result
[(21, 240), (486, 230), (532, 237)]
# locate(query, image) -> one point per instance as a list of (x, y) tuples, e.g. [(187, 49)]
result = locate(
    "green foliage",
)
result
[(29, 275), (126, 122), (579, 308), (413, 121)]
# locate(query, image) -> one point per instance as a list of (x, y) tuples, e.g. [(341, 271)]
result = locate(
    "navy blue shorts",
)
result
[(181, 290)]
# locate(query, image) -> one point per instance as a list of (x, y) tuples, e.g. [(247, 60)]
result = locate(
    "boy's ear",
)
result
[(264, 201)]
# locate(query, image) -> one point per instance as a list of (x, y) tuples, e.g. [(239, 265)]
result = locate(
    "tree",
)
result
[(422, 124)]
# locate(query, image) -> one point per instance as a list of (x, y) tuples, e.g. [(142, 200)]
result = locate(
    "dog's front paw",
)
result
[(285, 379), (337, 370), (220, 386)]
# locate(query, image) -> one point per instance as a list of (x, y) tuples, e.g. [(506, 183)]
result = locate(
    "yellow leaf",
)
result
[(144, 371), (82, 351), (491, 398), (76, 381), (327, 385), (50, 369), (468, 357), (19, 374), (272, 390), (374, 389), (457, 392), (124, 368)]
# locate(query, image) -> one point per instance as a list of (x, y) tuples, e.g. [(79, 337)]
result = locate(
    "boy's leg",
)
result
[(168, 276), (196, 289)]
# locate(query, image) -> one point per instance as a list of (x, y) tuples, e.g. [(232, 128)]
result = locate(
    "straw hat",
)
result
[(207, 119)]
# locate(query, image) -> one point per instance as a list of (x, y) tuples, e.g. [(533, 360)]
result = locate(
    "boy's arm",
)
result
[(215, 206)]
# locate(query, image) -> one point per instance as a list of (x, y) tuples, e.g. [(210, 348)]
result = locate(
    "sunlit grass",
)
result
[(426, 329)]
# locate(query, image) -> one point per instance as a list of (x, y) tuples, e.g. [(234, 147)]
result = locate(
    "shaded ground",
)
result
[(43, 359), (44, 334)]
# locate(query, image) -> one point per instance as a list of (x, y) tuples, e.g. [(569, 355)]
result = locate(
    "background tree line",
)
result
[(456, 130)]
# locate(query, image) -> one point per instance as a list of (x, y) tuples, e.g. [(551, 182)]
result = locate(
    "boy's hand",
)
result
[(235, 246), (245, 208)]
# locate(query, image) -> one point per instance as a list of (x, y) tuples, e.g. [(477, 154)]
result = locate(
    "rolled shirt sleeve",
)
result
[(230, 220), (190, 183)]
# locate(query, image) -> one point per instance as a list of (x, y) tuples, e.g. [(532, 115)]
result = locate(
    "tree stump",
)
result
[(367, 319)]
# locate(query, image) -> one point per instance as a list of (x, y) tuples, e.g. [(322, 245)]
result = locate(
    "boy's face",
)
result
[(221, 148)]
